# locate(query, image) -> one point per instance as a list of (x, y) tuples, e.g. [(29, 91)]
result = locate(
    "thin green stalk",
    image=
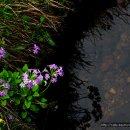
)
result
[(46, 87)]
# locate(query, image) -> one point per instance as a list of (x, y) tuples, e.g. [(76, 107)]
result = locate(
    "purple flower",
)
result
[(25, 75), (60, 71), (53, 66), (40, 77), (3, 93), (30, 85), (45, 70), (54, 80), (37, 81), (11, 117), (1, 81), (25, 78), (7, 85), (47, 76), (36, 49), (2, 53), (56, 74), (36, 71)]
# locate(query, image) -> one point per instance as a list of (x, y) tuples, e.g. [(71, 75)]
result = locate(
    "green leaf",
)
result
[(11, 93), (34, 1), (24, 91), (43, 105), (43, 100), (8, 33), (28, 119), (42, 19), (41, 39), (25, 67), (51, 42), (5, 73), (10, 74), (23, 114), (36, 94), (6, 1), (23, 94), (34, 108), (26, 18), (27, 103), (17, 81), (17, 100), (3, 103), (19, 48), (29, 98), (6, 96), (15, 74), (34, 88), (9, 80)]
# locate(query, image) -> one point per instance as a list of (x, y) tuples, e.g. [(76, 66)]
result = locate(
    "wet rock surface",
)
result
[(113, 75)]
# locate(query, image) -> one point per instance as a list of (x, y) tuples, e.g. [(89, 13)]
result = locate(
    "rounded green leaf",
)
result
[(36, 94), (3, 103), (6, 96), (34, 108), (11, 93), (43, 100), (23, 114), (29, 98), (34, 88), (17, 101), (43, 105), (27, 103)]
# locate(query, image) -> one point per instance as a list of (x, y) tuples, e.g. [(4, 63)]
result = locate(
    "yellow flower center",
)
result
[(1, 120)]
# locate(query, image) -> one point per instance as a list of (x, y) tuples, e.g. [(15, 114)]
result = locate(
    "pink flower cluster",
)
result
[(4, 87), (34, 76), (31, 78), (53, 72)]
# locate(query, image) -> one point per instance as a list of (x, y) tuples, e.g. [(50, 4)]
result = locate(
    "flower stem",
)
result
[(46, 87)]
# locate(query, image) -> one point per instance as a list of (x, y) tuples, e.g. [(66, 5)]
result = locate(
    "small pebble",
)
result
[(112, 91)]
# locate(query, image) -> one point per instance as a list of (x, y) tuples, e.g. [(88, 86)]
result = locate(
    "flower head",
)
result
[(36, 49), (11, 117), (7, 85), (3, 93), (2, 53), (1, 81), (25, 78), (53, 66), (36, 71), (60, 71), (37, 81), (47, 76), (54, 80), (40, 77), (30, 85)]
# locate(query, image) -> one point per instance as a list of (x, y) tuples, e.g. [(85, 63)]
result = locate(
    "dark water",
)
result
[(95, 55)]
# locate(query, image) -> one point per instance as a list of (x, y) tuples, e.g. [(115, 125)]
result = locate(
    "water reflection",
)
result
[(88, 91)]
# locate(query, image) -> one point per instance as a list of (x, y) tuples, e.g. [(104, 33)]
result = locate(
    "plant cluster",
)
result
[(23, 92), (26, 36)]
